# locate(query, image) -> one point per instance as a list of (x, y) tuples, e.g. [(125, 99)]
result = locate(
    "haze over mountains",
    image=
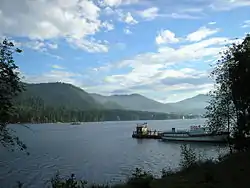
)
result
[(61, 94), (194, 105)]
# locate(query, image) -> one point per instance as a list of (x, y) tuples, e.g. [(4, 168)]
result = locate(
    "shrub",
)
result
[(71, 182), (165, 173), (188, 157), (140, 179)]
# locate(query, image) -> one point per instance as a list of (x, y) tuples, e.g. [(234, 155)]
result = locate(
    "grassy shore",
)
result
[(230, 171)]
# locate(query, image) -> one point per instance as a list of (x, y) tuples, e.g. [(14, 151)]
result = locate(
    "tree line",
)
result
[(33, 110)]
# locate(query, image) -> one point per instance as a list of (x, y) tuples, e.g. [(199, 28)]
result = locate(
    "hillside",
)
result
[(106, 102), (71, 97), (59, 102), (134, 102), (59, 94), (195, 105)]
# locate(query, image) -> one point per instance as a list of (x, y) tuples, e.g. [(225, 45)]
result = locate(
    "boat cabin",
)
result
[(142, 129)]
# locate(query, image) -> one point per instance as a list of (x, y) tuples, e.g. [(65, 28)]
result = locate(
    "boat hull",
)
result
[(214, 138)]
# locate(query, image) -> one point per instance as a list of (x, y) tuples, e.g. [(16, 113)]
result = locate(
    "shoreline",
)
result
[(104, 121), (199, 174)]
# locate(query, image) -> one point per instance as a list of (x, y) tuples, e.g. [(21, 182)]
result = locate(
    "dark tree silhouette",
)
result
[(231, 98), (10, 87)]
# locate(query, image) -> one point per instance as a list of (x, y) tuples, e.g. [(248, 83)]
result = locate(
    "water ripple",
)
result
[(98, 152)]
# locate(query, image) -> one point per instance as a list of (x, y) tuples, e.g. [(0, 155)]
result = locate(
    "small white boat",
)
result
[(75, 123), (195, 134)]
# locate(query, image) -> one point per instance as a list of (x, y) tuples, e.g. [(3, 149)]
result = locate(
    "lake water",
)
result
[(97, 152)]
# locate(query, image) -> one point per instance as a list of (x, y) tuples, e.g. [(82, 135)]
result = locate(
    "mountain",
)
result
[(106, 102), (194, 105), (72, 97), (134, 102), (60, 102), (59, 94)]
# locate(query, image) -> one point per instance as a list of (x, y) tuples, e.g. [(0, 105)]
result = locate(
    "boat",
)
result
[(75, 123), (196, 134), (142, 131)]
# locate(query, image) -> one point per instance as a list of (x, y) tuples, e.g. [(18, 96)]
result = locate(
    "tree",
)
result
[(220, 112), (231, 98), (10, 87), (239, 83)]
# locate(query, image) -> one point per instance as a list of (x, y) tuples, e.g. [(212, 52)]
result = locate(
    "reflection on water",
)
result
[(98, 152)]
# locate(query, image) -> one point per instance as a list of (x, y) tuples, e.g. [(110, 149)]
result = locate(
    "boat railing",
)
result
[(141, 124), (149, 132), (178, 130)]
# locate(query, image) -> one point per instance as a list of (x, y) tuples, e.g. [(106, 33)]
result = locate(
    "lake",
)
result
[(98, 152)]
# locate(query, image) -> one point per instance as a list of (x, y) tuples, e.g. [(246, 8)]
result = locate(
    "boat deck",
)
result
[(149, 135)]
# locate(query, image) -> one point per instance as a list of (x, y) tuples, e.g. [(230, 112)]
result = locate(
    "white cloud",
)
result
[(50, 19), (115, 3), (52, 45), (182, 16), (108, 11), (155, 72), (149, 13), (192, 10), (150, 73), (91, 45), (226, 5), (127, 31), (166, 36), (201, 33), (57, 67), (128, 18), (36, 45), (53, 76), (108, 26), (54, 56), (211, 23), (153, 12), (246, 24), (40, 45)]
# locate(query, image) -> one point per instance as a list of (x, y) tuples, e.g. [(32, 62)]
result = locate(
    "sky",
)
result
[(162, 49)]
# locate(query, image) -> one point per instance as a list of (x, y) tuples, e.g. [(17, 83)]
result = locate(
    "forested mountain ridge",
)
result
[(60, 102), (71, 97), (195, 105), (134, 102), (59, 95)]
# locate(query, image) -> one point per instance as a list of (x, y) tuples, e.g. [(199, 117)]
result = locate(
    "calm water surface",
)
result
[(98, 152)]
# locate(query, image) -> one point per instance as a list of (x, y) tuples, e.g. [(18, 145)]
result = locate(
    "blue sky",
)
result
[(161, 49)]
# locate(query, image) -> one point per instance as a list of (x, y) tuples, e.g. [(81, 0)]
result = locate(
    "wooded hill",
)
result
[(51, 102)]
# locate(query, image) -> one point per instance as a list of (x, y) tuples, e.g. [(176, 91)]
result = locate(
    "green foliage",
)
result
[(188, 157), (58, 95), (220, 112), (166, 173), (230, 104), (10, 87), (71, 182), (140, 179)]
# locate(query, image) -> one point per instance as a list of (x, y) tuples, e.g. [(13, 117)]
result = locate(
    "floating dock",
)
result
[(142, 132)]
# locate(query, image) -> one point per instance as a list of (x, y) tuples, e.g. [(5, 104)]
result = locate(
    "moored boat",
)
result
[(75, 123), (195, 134), (142, 131)]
